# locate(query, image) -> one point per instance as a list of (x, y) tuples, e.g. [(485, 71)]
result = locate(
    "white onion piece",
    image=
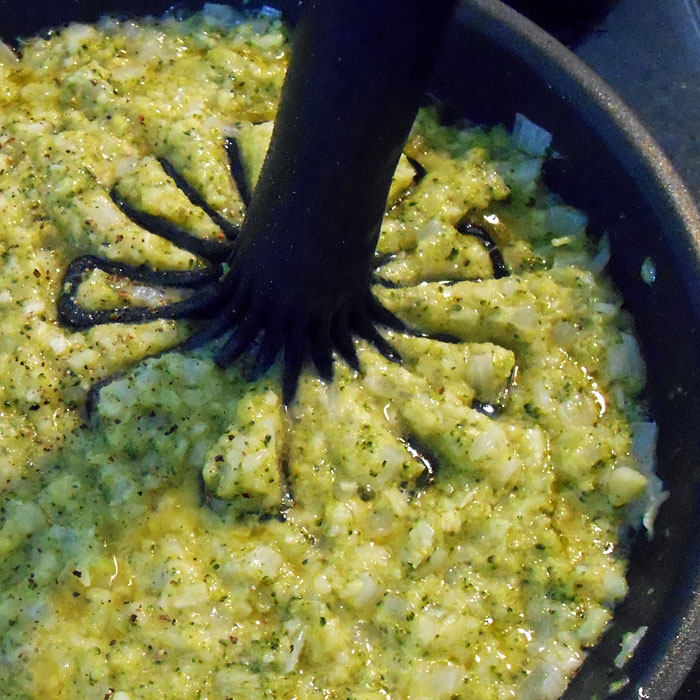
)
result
[(529, 137)]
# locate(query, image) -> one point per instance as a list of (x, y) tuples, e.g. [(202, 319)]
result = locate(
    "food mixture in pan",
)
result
[(451, 527)]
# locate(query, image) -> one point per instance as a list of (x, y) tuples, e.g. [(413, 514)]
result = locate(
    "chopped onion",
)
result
[(570, 260), (527, 171), (565, 221), (628, 645), (524, 318), (648, 271), (295, 647), (603, 255), (271, 12), (7, 55), (605, 308), (624, 359), (654, 497), (221, 15), (59, 344), (444, 679), (529, 137), (644, 434), (148, 295), (76, 35)]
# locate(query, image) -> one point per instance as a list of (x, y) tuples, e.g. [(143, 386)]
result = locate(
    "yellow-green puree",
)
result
[(141, 555)]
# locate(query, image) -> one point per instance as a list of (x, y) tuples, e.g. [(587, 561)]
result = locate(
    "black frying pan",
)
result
[(494, 63)]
